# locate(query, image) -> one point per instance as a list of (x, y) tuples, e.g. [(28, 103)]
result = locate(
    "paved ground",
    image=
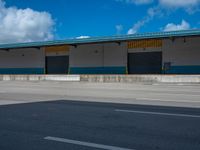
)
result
[(167, 95), (54, 120), (69, 125)]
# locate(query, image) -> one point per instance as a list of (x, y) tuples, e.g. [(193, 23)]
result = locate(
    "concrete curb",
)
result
[(147, 79), (69, 78)]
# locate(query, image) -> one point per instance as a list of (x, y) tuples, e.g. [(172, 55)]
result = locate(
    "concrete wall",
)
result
[(141, 79), (184, 55), (109, 58), (22, 61)]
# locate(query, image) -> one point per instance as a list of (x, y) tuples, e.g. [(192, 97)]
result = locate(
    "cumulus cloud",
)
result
[(137, 2), (24, 25), (184, 25)]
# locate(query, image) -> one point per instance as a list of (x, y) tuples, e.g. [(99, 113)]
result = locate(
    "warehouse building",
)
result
[(176, 52)]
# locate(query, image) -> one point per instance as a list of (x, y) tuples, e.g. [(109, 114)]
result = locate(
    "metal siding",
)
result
[(62, 48), (22, 58), (115, 54), (150, 43), (183, 55), (98, 58), (90, 55)]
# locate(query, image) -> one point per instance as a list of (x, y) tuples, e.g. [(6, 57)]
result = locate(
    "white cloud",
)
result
[(175, 27), (83, 37), (138, 25), (137, 2), (179, 3), (24, 25), (151, 13), (119, 29), (190, 6)]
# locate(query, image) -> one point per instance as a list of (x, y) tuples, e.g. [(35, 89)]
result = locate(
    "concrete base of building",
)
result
[(70, 78), (152, 79), (147, 79)]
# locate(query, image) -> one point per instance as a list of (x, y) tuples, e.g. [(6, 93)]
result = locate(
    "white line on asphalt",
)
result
[(150, 99), (87, 144), (157, 113), (163, 100)]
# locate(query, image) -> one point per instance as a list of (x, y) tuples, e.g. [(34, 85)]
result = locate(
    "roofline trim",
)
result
[(150, 35)]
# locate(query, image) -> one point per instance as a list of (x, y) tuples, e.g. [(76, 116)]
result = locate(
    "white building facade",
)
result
[(150, 53)]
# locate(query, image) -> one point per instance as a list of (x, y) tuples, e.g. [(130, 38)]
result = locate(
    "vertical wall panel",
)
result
[(22, 61), (183, 54), (109, 58)]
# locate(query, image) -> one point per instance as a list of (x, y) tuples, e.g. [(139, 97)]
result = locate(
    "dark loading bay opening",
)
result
[(145, 63), (57, 64)]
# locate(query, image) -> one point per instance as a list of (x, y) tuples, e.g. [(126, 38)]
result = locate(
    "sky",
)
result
[(44, 20)]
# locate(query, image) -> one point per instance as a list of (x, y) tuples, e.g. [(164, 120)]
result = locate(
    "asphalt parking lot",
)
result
[(40, 116), (77, 125)]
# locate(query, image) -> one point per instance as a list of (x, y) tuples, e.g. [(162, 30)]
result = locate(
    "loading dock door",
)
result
[(57, 64), (145, 63)]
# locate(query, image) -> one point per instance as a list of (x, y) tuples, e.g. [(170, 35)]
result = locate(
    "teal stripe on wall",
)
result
[(98, 70), (183, 70), (21, 70)]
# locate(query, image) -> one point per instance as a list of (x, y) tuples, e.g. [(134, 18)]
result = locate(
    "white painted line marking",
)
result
[(164, 100), (157, 113), (87, 144), (151, 99)]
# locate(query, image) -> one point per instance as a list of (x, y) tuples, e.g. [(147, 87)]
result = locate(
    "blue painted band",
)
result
[(21, 70), (98, 70), (183, 70)]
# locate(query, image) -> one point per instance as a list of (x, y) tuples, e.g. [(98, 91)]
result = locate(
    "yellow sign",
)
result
[(151, 43), (57, 49)]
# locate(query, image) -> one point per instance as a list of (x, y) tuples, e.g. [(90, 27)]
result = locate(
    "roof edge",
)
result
[(138, 36)]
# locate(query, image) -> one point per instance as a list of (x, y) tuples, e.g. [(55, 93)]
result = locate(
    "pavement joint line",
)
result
[(157, 113), (87, 144)]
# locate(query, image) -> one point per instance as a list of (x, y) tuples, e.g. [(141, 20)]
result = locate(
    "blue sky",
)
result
[(75, 18)]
